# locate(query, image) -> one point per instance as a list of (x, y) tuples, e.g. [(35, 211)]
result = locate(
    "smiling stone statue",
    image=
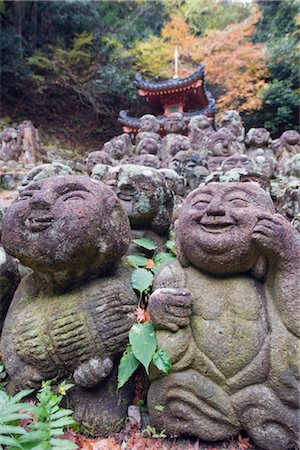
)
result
[(72, 315), (227, 314)]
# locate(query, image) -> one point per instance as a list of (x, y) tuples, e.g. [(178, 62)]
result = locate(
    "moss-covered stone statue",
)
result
[(71, 316), (9, 277), (145, 197), (227, 313)]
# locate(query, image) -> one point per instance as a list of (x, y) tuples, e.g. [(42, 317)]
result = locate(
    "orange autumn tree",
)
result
[(232, 61)]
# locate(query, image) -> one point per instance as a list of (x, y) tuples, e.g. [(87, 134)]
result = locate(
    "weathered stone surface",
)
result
[(238, 161), (144, 196), (103, 409), (231, 123), (56, 168), (72, 315), (200, 130), (99, 157), (148, 145), (147, 160), (288, 145), (118, 147), (9, 280), (227, 314), (258, 141)]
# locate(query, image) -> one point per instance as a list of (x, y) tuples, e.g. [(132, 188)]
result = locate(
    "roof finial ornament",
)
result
[(176, 62)]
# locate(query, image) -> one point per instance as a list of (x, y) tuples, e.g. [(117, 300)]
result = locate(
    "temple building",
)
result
[(188, 96)]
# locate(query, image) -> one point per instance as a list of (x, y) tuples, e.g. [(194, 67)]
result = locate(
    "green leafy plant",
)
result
[(45, 432), (45, 421), (11, 411), (152, 432), (142, 347)]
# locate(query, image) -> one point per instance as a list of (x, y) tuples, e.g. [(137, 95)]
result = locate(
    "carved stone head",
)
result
[(99, 157), (66, 226), (149, 123), (118, 147), (145, 160), (258, 137), (148, 146), (174, 181), (174, 123), (199, 123), (144, 195), (238, 161), (216, 223), (221, 144)]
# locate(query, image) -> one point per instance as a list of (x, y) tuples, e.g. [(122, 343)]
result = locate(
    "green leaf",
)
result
[(34, 436), (141, 280), (63, 422), (145, 243), (127, 366), (170, 245), (11, 429), (6, 440), (159, 407), (63, 444), (160, 259), (143, 341), (162, 361), (136, 260), (61, 413)]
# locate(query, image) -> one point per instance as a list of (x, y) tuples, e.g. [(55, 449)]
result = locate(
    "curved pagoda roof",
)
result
[(173, 83)]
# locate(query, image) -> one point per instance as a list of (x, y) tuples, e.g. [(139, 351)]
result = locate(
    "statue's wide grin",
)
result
[(38, 223)]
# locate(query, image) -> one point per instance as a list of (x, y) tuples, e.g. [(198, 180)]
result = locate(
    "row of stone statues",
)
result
[(226, 310)]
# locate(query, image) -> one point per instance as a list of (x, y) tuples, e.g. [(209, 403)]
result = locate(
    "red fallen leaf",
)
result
[(141, 315), (69, 435), (150, 264), (244, 443)]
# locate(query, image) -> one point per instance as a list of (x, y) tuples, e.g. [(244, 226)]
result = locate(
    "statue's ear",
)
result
[(260, 267), (180, 256)]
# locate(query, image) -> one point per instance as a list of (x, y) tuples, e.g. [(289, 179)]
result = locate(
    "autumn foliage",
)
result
[(232, 62)]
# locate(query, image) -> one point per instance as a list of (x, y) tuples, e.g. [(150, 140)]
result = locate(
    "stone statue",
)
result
[(174, 123), (56, 168), (238, 161), (289, 145), (266, 165), (99, 171), (29, 142), (149, 128), (258, 141), (149, 124), (214, 163), (231, 123), (144, 196), (200, 130), (148, 146), (227, 314), (174, 182), (144, 159), (176, 163), (9, 277), (72, 315), (173, 144), (221, 144), (98, 157), (118, 147), (10, 149)]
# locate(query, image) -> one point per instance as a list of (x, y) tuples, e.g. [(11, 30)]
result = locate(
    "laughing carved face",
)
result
[(64, 222), (216, 224)]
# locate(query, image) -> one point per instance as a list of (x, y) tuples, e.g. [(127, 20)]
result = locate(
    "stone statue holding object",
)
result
[(227, 313), (72, 315)]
